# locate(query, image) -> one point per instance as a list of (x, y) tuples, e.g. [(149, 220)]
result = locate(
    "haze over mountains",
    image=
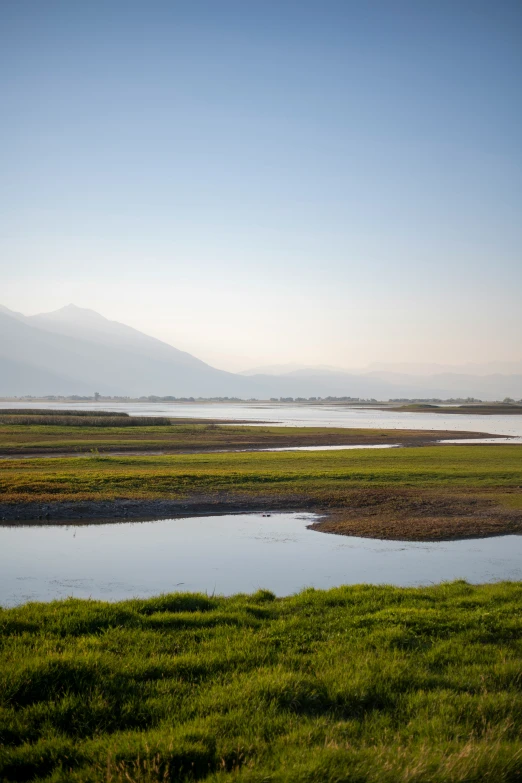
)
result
[(382, 368), (78, 351)]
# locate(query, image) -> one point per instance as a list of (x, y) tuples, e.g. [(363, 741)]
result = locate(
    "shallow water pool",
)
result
[(228, 554)]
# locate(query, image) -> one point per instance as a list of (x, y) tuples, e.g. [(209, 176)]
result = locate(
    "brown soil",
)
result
[(430, 516)]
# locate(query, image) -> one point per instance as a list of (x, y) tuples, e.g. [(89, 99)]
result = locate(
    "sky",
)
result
[(269, 181)]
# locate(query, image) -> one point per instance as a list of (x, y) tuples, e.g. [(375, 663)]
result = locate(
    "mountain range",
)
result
[(74, 350)]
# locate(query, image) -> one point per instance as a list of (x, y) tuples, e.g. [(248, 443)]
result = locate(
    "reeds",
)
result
[(56, 412), (72, 420)]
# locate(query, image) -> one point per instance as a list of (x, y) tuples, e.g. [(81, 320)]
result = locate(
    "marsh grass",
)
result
[(83, 421), (367, 684), (57, 412)]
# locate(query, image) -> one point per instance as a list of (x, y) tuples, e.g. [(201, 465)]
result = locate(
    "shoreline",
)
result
[(385, 515)]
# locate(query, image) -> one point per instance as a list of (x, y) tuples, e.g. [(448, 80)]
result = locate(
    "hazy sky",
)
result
[(266, 180)]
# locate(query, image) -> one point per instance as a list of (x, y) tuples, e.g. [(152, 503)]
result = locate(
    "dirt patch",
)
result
[(408, 516)]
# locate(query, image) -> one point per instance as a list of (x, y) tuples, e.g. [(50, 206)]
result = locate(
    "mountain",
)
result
[(20, 378), (488, 387), (384, 386), (389, 370), (77, 351), (291, 369), (83, 324), (424, 368)]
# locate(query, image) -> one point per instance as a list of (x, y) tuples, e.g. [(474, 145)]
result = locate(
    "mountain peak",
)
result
[(72, 313)]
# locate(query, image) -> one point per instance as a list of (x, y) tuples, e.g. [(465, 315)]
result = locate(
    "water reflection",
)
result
[(333, 448), (228, 554)]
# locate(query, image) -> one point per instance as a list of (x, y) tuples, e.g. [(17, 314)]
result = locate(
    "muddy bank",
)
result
[(114, 510), (400, 515), (407, 515)]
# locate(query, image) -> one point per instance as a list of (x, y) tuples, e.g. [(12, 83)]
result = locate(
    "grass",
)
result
[(67, 421), (366, 684), (428, 493), (326, 476), (57, 412), (52, 437)]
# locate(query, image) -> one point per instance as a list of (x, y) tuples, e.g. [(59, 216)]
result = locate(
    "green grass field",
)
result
[(322, 475), (366, 684)]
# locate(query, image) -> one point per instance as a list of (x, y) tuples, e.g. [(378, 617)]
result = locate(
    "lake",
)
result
[(302, 415), (228, 554)]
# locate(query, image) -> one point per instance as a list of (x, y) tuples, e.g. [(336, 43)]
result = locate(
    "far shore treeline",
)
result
[(75, 398)]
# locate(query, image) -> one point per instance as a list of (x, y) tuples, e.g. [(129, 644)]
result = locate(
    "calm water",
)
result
[(331, 448), (459, 442), (305, 415), (228, 554)]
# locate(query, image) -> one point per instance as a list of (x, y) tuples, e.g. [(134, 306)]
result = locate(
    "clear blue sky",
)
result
[(261, 181)]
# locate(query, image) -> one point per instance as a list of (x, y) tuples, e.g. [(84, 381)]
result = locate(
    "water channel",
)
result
[(228, 554)]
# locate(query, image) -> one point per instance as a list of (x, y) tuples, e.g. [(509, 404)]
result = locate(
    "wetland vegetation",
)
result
[(360, 683), (425, 493), (62, 433), (33, 417)]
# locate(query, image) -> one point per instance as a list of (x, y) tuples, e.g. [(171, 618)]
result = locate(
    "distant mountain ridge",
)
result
[(84, 324), (74, 350), (382, 369), (425, 368), (79, 349)]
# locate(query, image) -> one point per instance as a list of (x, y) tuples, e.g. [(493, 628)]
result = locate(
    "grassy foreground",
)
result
[(366, 684)]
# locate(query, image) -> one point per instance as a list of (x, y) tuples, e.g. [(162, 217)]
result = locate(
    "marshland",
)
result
[(33, 432), (277, 681), (261, 392), (423, 492)]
